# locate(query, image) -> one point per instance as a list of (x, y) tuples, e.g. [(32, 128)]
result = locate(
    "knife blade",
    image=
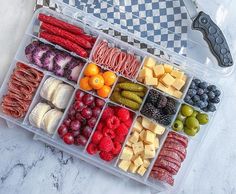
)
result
[(212, 34)]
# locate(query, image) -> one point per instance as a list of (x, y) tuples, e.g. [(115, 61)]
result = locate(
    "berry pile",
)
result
[(81, 119), (159, 107), (203, 95), (110, 133)]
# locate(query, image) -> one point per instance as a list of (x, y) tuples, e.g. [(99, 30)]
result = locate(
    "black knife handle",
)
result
[(215, 39)]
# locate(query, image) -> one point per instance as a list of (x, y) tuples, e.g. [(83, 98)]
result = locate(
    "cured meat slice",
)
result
[(162, 175), (169, 166), (183, 140), (180, 150), (169, 159), (169, 153)]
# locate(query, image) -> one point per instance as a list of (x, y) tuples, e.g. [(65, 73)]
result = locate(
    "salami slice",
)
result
[(169, 159), (169, 166), (162, 175), (180, 150), (170, 154), (183, 140)]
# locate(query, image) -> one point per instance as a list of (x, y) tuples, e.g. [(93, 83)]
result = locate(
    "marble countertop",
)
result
[(31, 167)]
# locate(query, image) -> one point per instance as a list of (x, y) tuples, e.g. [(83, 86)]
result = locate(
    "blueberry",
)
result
[(200, 104), (217, 93), (196, 98), (206, 91), (192, 85), (197, 81), (191, 102), (192, 92), (205, 104), (215, 100), (204, 97), (211, 95), (211, 88), (205, 109), (187, 98), (203, 85), (211, 107), (200, 91)]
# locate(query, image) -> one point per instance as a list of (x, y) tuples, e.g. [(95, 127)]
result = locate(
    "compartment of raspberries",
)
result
[(111, 132), (159, 107), (203, 95), (81, 118)]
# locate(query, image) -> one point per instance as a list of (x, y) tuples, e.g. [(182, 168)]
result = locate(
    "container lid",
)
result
[(162, 27)]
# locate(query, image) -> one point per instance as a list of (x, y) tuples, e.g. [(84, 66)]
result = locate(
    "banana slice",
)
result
[(62, 96), (50, 120), (37, 114), (49, 87)]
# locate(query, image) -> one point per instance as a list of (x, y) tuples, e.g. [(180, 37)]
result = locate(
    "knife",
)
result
[(211, 33)]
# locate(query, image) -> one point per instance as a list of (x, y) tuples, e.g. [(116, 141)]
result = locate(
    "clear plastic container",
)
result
[(83, 20)]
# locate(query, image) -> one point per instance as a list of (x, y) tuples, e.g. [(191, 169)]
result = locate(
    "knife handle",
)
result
[(215, 39)]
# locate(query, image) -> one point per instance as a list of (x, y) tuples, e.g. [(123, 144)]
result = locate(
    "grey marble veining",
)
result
[(31, 167)]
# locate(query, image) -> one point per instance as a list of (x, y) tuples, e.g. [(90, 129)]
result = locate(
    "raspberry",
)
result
[(117, 148), (108, 112), (122, 130), (113, 122), (123, 114), (99, 127), (106, 144), (108, 132), (128, 123), (92, 149), (107, 156), (97, 136), (119, 138)]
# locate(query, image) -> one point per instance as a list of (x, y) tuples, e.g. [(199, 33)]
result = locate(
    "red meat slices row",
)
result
[(21, 88), (170, 158)]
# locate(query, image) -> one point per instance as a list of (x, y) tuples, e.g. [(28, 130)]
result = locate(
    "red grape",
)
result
[(79, 94), (91, 122), (99, 102), (75, 133), (62, 130), (81, 140), (67, 122), (87, 113), (86, 131), (79, 106), (96, 111), (80, 118), (71, 112), (75, 125), (88, 99), (68, 138)]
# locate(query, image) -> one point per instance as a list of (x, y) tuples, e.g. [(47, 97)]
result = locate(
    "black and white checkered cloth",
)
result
[(160, 21)]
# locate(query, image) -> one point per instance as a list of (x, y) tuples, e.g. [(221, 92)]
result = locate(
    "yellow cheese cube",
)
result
[(149, 151), (170, 90), (150, 81), (137, 127), (126, 154), (149, 137), (149, 62), (168, 80), (145, 72), (158, 70), (184, 78), (139, 79), (177, 74), (168, 68), (128, 143), (138, 147), (146, 163), (133, 168), (146, 123), (141, 135), (124, 165), (157, 129), (138, 161), (141, 171), (177, 94), (156, 143), (134, 137), (178, 84), (161, 87)]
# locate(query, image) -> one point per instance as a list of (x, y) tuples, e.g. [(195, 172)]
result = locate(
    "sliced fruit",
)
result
[(109, 78), (84, 84), (178, 125), (91, 69), (104, 91), (96, 82)]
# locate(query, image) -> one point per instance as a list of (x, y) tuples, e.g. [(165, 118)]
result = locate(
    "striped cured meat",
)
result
[(116, 60), (21, 88)]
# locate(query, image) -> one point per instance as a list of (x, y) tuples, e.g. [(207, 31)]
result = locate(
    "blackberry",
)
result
[(162, 101), (169, 109), (165, 120), (158, 114), (153, 97), (149, 110)]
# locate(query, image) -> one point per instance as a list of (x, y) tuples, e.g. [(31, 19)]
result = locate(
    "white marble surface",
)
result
[(30, 167)]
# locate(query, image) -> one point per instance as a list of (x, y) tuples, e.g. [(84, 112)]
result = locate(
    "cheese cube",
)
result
[(141, 135), (149, 62), (124, 165), (168, 68), (140, 79), (156, 143), (149, 137), (158, 70), (138, 147), (146, 163), (150, 81), (149, 151), (157, 129), (138, 161), (141, 171), (178, 84), (177, 94), (170, 90), (177, 74), (184, 78), (127, 153), (168, 80), (146, 123), (145, 72), (128, 143), (133, 168), (137, 127), (134, 137), (161, 87)]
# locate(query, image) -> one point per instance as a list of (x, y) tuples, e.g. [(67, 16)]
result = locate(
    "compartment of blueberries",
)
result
[(203, 95), (159, 107)]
